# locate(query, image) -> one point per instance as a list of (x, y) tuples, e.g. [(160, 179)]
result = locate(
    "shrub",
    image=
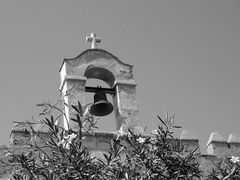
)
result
[(130, 156)]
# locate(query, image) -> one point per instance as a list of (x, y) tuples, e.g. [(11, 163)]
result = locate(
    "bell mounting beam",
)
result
[(111, 91)]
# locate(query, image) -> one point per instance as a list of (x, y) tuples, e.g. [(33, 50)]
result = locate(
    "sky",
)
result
[(186, 57)]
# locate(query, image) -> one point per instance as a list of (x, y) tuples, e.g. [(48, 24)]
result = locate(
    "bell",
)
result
[(101, 106)]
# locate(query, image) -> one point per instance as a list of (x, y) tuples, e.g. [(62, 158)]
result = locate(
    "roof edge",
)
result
[(102, 50)]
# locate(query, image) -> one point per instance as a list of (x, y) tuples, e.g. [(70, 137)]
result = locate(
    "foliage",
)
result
[(228, 168), (131, 156)]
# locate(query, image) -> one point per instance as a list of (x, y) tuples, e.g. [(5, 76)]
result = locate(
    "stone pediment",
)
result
[(97, 63)]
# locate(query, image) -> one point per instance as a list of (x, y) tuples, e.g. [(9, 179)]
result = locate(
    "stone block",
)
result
[(234, 144), (189, 142), (20, 137), (216, 145)]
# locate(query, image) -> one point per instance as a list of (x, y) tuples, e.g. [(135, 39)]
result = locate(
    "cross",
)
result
[(93, 40)]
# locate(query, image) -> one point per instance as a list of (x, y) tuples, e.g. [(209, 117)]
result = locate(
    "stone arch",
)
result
[(81, 65), (100, 73)]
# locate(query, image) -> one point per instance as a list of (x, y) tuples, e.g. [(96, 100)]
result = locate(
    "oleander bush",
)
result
[(226, 169), (131, 156)]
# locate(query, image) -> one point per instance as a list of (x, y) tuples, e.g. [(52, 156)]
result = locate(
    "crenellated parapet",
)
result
[(217, 147)]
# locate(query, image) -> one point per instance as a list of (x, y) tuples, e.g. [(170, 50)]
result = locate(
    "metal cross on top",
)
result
[(93, 40)]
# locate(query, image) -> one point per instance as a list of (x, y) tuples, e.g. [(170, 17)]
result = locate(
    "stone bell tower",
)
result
[(100, 64)]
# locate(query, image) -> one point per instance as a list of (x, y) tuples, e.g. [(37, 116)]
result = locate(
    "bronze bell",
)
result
[(101, 106)]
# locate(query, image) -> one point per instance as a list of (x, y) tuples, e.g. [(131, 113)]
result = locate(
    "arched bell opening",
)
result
[(102, 79), (100, 73), (107, 122)]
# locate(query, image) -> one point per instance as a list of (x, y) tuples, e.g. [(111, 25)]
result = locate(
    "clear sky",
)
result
[(186, 57)]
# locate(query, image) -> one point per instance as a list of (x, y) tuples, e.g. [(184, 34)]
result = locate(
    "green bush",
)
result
[(131, 156)]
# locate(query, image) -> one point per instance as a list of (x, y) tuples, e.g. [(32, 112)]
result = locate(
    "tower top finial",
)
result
[(93, 40)]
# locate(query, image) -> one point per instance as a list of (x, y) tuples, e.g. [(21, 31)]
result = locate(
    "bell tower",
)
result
[(100, 64)]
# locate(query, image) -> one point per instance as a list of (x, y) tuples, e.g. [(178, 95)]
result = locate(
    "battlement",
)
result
[(99, 142), (216, 145)]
